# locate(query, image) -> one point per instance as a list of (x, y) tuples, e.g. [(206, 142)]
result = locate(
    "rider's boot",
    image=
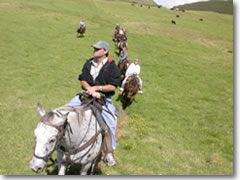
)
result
[(109, 159)]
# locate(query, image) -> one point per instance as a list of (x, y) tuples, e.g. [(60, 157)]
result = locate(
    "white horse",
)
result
[(74, 133)]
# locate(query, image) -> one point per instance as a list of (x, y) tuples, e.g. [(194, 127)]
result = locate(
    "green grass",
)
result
[(181, 125)]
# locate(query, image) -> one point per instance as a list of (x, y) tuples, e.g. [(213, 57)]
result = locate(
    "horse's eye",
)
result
[(52, 141)]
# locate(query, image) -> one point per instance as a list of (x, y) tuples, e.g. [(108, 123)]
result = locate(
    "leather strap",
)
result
[(74, 151)]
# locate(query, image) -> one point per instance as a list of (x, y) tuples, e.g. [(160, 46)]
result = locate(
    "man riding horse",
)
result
[(123, 61), (116, 32), (101, 75), (133, 69), (119, 33), (82, 28)]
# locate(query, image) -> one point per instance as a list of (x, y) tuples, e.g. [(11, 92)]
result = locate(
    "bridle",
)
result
[(59, 137)]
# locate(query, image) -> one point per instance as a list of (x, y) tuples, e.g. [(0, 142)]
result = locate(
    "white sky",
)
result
[(172, 3)]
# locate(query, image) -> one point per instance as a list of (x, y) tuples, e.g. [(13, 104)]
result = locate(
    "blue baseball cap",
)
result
[(101, 45)]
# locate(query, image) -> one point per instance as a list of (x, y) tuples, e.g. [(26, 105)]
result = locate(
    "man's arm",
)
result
[(93, 90), (85, 85)]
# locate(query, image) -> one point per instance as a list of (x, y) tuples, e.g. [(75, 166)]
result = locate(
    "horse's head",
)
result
[(123, 44), (48, 134)]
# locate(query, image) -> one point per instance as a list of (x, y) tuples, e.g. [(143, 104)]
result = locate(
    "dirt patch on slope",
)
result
[(122, 118)]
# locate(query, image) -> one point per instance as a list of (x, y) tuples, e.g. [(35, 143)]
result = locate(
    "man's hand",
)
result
[(96, 95), (91, 89)]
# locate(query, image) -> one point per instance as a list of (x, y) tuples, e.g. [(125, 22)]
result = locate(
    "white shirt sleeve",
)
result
[(137, 69), (128, 70)]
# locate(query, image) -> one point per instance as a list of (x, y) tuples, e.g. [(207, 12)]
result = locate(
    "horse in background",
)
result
[(119, 34), (123, 66), (74, 133), (120, 46), (116, 36), (131, 88), (80, 31)]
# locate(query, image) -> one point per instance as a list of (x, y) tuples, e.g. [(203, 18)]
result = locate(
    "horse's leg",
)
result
[(85, 168), (62, 169), (61, 166), (94, 164), (128, 102), (125, 99), (119, 50)]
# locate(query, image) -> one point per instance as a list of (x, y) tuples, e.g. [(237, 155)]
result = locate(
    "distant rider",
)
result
[(133, 69), (123, 56)]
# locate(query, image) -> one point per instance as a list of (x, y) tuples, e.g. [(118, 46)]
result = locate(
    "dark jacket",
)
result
[(109, 74)]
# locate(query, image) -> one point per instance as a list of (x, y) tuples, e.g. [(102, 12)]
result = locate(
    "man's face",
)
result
[(97, 53)]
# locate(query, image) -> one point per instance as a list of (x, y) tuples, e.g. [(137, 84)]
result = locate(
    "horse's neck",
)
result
[(134, 83), (79, 128)]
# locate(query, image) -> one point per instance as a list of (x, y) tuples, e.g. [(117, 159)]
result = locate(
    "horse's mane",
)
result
[(47, 117), (78, 110), (133, 83)]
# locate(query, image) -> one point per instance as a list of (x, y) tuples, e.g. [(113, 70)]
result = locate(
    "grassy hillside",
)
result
[(219, 6), (181, 125)]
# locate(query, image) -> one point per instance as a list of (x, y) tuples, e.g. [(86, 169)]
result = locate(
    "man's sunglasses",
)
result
[(97, 49)]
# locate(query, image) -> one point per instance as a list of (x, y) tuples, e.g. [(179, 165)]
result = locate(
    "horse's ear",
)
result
[(40, 110), (65, 116), (63, 120)]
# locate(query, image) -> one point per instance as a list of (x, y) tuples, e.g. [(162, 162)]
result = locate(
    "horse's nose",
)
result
[(37, 169)]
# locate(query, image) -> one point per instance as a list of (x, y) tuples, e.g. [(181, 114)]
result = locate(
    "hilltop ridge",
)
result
[(219, 6), (224, 7)]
